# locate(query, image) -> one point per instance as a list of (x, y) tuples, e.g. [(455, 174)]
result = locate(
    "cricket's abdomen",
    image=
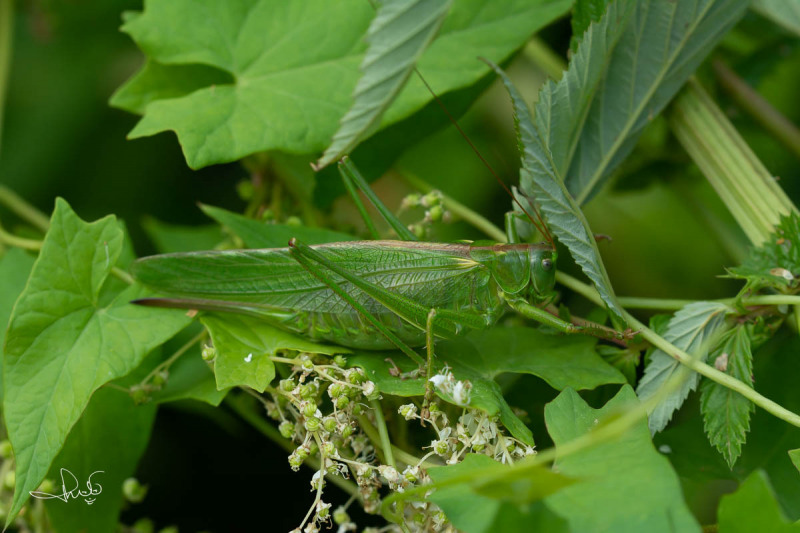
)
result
[(270, 284)]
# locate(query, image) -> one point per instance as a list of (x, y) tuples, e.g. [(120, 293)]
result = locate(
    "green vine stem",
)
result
[(386, 444), (634, 302), (684, 358), (23, 209), (754, 104)]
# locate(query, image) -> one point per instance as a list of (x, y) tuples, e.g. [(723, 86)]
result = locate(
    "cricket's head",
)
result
[(543, 270)]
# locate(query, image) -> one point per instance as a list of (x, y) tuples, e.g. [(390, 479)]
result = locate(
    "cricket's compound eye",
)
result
[(547, 264)]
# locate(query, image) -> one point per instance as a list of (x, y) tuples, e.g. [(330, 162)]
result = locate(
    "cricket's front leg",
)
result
[(429, 385)]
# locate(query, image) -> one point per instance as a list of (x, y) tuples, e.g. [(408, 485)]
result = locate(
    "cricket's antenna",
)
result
[(538, 222)]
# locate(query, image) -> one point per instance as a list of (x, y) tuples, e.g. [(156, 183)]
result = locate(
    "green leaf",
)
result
[(158, 82), (257, 234), (753, 508), (784, 13), (641, 75), (584, 12), (244, 345), (626, 485), (110, 437), (726, 413), (776, 263), (695, 328), (399, 33), (15, 267), (541, 180), (291, 88), (63, 342), (794, 455), (481, 356), (169, 238), (475, 507)]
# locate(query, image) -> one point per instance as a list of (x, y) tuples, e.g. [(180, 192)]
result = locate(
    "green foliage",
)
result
[(271, 85), (389, 61), (298, 87), (625, 484), (753, 507), (109, 438), (541, 179), (776, 263), (727, 414), (561, 362), (512, 503), (696, 329), (243, 344)]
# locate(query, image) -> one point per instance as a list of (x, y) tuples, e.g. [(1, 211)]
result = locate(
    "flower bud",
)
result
[(286, 429), (133, 491), (208, 353), (342, 402), (329, 424), (312, 424), (340, 361), (287, 385)]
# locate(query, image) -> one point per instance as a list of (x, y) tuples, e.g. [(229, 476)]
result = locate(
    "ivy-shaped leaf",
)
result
[(287, 70), (77, 341), (753, 507), (626, 485), (695, 329), (726, 413), (244, 344), (483, 355), (399, 33)]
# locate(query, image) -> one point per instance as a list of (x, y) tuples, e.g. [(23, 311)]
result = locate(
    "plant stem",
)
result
[(668, 303), (23, 209), (266, 429), (460, 210), (761, 110), (18, 242), (403, 456), (545, 58), (386, 444), (6, 45), (174, 357), (684, 358)]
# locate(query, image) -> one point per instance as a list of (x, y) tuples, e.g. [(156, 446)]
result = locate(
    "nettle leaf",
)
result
[(244, 344), (399, 33), (541, 180), (695, 329), (66, 339), (726, 413), (640, 76), (110, 437), (481, 356), (626, 485), (777, 262), (584, 12), (784, 13), (512, 503), (295, 65), (257, 234), (753, 508)]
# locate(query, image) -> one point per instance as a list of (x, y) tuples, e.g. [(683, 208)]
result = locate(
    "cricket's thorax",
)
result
[(272, 285)]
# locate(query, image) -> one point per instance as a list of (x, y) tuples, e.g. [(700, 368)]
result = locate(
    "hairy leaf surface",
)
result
[(694, 329), (541, 180), (399, 33), (727, 413)]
